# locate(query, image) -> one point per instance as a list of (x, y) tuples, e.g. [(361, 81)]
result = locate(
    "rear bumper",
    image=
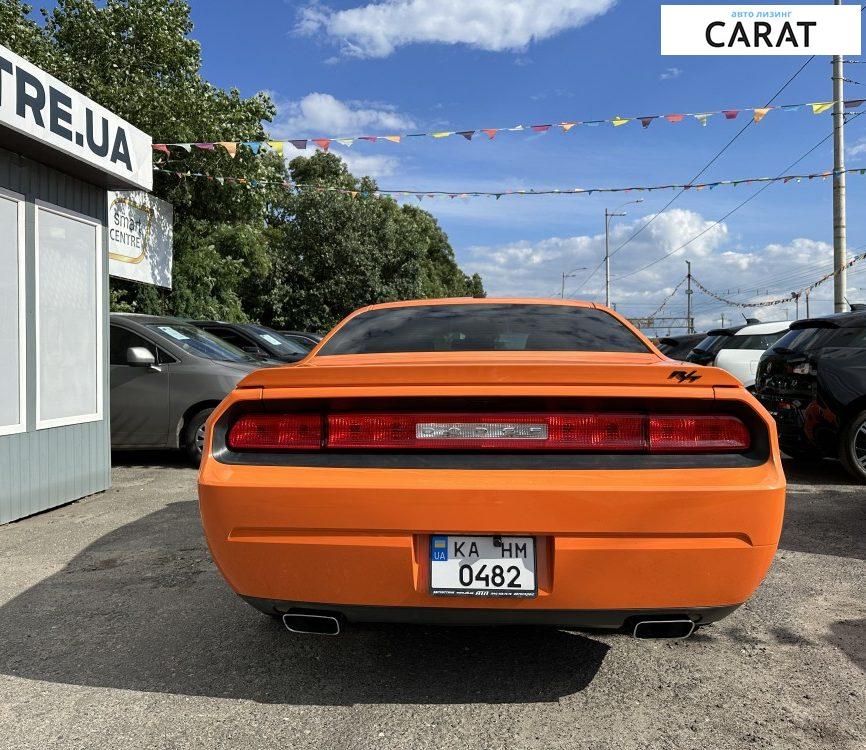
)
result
[(609, 543), (589, 619)]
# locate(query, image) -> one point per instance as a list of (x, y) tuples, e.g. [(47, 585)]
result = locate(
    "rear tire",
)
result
[(852, 447), (192, 441)]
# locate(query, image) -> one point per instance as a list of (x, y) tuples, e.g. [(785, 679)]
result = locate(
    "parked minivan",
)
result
[(167, 376)]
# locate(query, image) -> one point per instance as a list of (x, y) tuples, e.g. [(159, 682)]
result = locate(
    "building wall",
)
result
[(40, 469)]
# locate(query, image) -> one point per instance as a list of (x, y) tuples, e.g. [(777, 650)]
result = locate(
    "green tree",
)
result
[(240, 251), (334, 252)]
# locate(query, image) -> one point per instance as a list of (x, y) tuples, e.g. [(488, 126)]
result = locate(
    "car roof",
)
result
[(772, 327), (855, 319), (725, 331), (147, 319)]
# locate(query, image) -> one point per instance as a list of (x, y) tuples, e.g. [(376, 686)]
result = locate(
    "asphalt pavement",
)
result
[(116, 631)]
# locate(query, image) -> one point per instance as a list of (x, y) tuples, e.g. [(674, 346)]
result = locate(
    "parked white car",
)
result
[(743, 350)]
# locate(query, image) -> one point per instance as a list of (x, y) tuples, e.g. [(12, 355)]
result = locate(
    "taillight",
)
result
[(276, 432), (697, 434), (578, 432), (593, 432)]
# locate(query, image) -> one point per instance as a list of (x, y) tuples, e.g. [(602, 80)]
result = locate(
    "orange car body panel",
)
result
[(606, 539)]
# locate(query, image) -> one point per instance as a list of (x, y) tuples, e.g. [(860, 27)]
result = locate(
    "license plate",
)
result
[(482, 566)]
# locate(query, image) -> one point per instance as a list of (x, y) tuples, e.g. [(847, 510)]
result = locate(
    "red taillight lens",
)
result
[(697, 434), (276, 432), (587, 432)]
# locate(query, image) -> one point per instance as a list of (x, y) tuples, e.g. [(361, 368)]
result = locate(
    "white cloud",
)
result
[(324, 115), (377, 29), (670, 73), (527, 268), (856, 149), (370, 165)]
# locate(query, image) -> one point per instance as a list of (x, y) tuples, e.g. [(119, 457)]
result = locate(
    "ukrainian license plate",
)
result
[(482, 566)]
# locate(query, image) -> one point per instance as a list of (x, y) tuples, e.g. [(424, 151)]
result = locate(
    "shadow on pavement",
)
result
[(828, 519), (166, 459), (144, 609)]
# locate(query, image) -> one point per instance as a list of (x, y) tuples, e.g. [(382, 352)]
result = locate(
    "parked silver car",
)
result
[(167, 376)]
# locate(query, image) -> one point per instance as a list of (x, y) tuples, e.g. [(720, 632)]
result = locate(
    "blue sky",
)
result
[(400, 65)]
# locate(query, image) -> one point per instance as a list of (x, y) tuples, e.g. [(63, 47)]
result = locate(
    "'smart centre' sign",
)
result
[(760, 29), (39, 107)]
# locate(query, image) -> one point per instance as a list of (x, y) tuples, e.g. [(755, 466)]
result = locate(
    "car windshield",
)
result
[(276, 340), (482, 327), (201, 343)]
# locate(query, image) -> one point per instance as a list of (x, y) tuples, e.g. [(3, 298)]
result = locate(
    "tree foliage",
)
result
[(303, 260)]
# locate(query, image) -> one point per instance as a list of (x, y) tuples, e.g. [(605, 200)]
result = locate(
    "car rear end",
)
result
[(586, 488)]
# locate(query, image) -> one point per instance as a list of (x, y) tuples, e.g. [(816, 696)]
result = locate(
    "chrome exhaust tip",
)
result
[(671, 630), (311, 624)]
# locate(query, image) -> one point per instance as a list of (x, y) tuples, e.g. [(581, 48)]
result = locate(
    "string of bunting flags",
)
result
[(781, 300), (756, 113), (422, 194)]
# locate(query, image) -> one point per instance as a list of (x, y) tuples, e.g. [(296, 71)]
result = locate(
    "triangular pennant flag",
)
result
[(347, 142), (490, 133), (516, 128), (854, 103), (204, 146), (229, 146), (594, 123), (353, 193), (541, 128), (185, 146), (790, 107), (161, 147), (254, 146), (819, 107), (617, 121), (760, 114), (443, 134), (675, 118), (393, 138), (731, 114), (370, 138), (702, 118), (276, 146), (323, 143), (566, 126), (467, 134), (646, 121), (301, 145), (220, 180)]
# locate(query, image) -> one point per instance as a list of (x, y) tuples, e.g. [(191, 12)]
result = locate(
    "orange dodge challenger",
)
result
[(487, 461)]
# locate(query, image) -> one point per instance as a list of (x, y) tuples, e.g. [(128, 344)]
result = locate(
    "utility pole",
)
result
[(797, 300), (723, 320), (689, 293), (808, 292), (568, 275), (840, 238)]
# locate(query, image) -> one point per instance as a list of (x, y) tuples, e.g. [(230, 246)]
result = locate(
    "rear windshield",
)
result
[(483, 328), (759, 341), (811, 339), (710, 344)]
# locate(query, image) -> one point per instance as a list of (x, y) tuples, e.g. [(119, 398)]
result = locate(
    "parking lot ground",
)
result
[(117, 632)]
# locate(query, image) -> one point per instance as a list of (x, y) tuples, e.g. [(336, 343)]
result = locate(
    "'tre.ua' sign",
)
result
[(760, 29)]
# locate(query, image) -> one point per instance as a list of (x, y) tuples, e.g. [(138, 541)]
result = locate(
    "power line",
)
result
[(731, 212), (698, 175)]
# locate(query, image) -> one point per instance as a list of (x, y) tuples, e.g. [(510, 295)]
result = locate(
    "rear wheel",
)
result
[(852, 447), (192, 441)]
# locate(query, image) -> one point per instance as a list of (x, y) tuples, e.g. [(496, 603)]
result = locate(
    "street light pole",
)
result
[(572, 272), (608, 215)]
